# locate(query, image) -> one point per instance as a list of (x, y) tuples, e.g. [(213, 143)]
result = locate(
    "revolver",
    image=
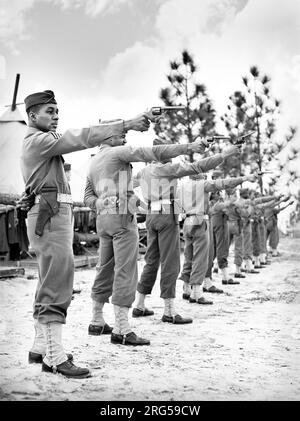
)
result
[(242, 139), (212, 139), (159, 110)]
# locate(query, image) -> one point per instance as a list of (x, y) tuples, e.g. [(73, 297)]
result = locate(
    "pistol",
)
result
[(212, 139), (242, 139), (159, 110), (260, 173)]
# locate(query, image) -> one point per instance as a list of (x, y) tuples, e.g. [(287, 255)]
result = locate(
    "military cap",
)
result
[(45, 97), (216, 174)]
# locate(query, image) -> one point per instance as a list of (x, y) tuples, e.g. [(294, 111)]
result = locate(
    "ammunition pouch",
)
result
[(48, 208)]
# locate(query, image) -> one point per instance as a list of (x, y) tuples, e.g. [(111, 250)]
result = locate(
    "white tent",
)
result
[(12, 132)]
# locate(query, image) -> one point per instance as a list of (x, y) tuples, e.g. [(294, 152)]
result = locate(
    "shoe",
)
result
[(192, 300), (35, 358), (243, 270), (258, 267), (185, 296), (229, 282), (215, 270), (100, 330), (68, 369), (252, 271), (130, 339), (268, 262), (177, 320), (76, 291), (136, 312), (239, 275), (203, 300), (213, 289)]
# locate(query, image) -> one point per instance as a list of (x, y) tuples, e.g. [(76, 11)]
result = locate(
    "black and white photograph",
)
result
[(150, 203)]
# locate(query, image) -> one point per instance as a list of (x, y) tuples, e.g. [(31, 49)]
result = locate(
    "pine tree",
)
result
[(199, 117), (254, 108)]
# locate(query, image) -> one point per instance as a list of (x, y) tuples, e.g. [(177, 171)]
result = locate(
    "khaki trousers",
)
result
[(55, 260), (163, 248), (196, 250), (117, 273)]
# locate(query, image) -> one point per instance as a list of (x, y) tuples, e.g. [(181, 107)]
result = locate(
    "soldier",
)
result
[(193, 196), (110, 177), (238, 216), (219, 238), (159, 188), (247, 231), (258, 232), (50, 221), (272, 234)]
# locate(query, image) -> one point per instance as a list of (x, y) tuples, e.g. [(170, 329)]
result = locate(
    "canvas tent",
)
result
[(12, 132)]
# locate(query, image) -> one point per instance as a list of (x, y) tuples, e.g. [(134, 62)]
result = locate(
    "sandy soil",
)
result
[(244, 347)]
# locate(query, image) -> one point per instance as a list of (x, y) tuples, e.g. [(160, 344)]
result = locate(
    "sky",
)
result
[(109, 58)]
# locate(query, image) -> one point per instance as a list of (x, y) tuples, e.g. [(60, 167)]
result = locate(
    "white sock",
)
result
[(224, 274), (187, 288), (248, 264), (207, 283), (98, 319), (237, 269), (169, 307), (197, 292), (262, 257), (121, 326), (55, 353), (39, 344), (140, 303), (256, 261)]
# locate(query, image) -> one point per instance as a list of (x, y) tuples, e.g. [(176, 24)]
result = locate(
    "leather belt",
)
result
[(61, 198), (160, 205), (205, 217)]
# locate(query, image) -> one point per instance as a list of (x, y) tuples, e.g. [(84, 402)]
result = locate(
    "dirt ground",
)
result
[(243, 347)]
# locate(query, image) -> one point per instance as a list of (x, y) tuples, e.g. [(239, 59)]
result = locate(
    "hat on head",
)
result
[(216, 174), (45, 97)]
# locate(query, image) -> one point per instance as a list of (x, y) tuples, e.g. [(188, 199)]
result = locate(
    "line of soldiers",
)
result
[(110, 191)]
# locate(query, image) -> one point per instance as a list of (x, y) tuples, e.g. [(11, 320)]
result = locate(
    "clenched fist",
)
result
[(198, 146), (230, 151), (139, 123)]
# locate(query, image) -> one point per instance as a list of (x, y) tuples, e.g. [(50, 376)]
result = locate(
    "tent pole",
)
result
[(13, 105)]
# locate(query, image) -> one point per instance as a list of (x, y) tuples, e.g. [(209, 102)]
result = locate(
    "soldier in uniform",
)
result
[(50, 221), (219, 237), (247, 231), (238, 216), (159, 188), (258, 233), (110, 178), (193, 196), (271, 221)]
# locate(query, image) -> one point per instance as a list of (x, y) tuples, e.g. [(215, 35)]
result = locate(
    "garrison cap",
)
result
[(45, 97), (216, 174)]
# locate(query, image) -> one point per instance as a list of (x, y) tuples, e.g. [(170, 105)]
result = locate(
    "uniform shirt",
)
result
[(259, 205), (41, 161), (158, 181), (194, 195), (110, 172)]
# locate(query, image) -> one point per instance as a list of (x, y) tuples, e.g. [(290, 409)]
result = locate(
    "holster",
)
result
[(48, 208)]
